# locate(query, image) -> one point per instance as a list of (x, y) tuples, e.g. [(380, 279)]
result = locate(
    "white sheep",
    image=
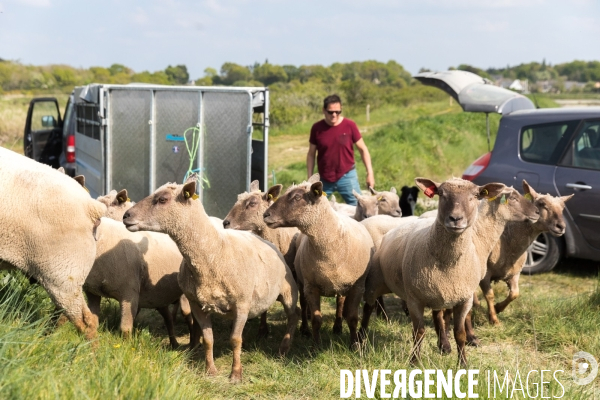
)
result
[(48, 224), (333, 256), (437, 263), (508, 256), (228, 272)]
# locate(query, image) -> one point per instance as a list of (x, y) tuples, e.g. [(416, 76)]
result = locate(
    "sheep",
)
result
[(388, 202), (408, 200), (48, 232), (508, 256), (333, 256), (247, 214), (147, 280), (228, 272), (437, 262)]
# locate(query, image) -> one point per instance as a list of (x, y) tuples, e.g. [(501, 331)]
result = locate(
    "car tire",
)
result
[(543, 254)]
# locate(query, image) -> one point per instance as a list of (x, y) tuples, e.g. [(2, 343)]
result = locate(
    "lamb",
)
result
[(138, 269), (333, 256), (247, 215), (228, 272), (385, 203), (408, 200), (508, 256), (388, 202), (437, 262), (48, 225)]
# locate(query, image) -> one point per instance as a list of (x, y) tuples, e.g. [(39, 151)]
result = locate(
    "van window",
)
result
[(544, 144), (88, 120), (584, 150)]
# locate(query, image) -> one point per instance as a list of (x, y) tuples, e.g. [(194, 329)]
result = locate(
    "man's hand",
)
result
[(366, 157), (370, 180)]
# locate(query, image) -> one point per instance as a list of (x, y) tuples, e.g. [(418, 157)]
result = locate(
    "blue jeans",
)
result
[(344, 186)]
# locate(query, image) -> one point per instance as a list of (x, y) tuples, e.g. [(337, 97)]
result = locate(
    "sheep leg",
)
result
[(289, 299), (263, 328), (460, 315), (304, 330), (203, 319), (472, 339), (364, 322), (438, 323), (93, 303), (339, 311), (350, 311), (418, 322), (488, 292), (241, 315), (513, 293), (195, 331), (313, 298), (168, 317), (129, 310), (74, 306), (475, 299)]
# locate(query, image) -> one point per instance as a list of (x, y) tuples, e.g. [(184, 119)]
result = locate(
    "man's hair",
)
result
[(334, 98)]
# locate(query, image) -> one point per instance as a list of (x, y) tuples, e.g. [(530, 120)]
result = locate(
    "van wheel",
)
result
[(543, 254)]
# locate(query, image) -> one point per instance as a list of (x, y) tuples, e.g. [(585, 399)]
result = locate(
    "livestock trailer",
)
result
[(140, 136)]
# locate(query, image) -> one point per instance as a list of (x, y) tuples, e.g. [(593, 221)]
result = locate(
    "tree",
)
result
[(178, 74), (269, 74), (231, 72)]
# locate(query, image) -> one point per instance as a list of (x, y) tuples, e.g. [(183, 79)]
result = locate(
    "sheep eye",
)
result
[(162, 200), (382, 200), (251, 204), (297, 197)]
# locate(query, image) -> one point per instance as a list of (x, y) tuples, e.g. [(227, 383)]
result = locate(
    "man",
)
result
[(333, 139)]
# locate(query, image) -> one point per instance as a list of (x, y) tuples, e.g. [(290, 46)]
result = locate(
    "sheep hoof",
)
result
[(445, 348), (495, 322), (337, 329), (304, 331), (235, 377), (473, 342), (211, 371)]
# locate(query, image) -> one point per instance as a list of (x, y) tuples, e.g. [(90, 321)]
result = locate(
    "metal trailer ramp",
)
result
[(141, 143)]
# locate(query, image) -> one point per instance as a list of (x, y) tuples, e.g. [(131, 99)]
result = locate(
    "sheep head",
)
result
[(550, 210), (167, 204), (458, 200), (510, 205), (367, 206), (388, 202), (116, 204), (298, 206), (247, 212)]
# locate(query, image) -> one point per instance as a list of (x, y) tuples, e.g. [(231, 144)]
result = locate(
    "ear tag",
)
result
[(529, 197), (323, 194), (120, 199), (270, 196), (86, 189), (484, 192), (187, 195), (128, 199), (379, 198), (430, 191), (503, 199)]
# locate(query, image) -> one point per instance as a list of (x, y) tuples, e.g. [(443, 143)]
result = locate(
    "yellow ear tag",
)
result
[(187, 195), (492, 198), (128, 199), (379, 198), (323, 194), (270, 196), (484, 192), (195, 196), (120, 199), (529, 197)]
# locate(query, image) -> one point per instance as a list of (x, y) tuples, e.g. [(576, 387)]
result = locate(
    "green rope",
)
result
[(192, 152)]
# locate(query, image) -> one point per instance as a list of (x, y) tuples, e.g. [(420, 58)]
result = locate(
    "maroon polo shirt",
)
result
[(335, 152)]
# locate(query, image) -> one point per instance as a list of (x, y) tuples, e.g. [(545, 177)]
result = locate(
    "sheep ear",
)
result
[(491, 190), (61, 170), (373, 191), (254, 186), (428, 186), (528, 190), (122, 196), (192, 177), (316, 189), (80, 179), (565, 198), (273, 193), (315, 178), (358, 196), (189, 189), (393, 190)]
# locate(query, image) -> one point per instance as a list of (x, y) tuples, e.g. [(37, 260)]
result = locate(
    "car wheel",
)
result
[(543, 254)]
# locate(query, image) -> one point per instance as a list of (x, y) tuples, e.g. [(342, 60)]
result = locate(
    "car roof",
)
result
[(553, 114)]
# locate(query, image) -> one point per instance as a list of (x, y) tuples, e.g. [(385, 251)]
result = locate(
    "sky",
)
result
[(433, 34)]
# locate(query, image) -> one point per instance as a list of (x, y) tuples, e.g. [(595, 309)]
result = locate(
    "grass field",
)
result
[(558, 314)]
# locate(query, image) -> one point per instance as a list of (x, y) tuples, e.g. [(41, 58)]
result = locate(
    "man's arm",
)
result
[(366, 157), (310, 160)]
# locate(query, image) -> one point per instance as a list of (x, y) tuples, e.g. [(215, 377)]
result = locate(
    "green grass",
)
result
[(556, 315)]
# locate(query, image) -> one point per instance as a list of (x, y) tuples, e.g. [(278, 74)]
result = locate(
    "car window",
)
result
[(544, 144), (44, 116), (584, 150)]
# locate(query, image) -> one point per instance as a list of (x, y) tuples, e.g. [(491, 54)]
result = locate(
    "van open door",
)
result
[(43, 131)]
